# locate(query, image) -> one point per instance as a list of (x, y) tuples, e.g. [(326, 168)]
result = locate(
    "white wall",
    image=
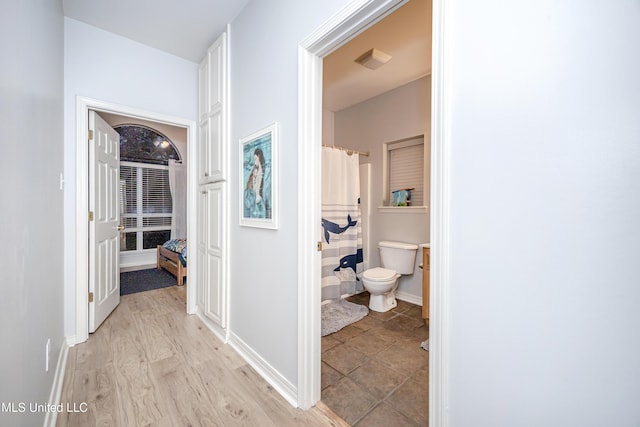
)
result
[(31, 135), (545, 209), (398, 114), (264, 86), (328, 127), (107, 67)]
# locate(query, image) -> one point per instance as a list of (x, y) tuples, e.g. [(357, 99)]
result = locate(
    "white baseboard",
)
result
[(138, 260), (56, 387), (265, 370), (72, 341), (402, 296)]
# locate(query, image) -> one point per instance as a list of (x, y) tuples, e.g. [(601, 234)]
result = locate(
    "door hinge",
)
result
[(90, 134), (90, 216), (319, 247), (90, 296)]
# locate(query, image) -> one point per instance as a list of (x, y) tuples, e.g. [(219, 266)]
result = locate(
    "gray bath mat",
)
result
[(340, 313)]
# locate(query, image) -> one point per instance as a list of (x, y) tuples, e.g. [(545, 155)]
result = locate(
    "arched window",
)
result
[(146, 208)]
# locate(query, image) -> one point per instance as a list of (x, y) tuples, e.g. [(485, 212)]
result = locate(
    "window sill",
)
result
[(403, 209)]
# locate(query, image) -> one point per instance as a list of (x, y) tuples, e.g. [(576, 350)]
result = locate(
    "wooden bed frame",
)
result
[(170, 261)]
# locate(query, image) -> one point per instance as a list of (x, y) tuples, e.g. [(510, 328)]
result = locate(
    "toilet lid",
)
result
[(379, 274)]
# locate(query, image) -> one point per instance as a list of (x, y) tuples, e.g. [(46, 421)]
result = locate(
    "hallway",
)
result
[(151, 364)]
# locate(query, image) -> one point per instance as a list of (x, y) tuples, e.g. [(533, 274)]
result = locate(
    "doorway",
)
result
[(365, 107), (352, 20), (83, 106)]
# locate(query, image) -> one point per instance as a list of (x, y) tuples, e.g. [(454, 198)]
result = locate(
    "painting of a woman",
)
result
[(258, 179), (254, 204)]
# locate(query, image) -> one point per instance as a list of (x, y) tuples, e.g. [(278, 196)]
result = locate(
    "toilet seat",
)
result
[(379, 274)]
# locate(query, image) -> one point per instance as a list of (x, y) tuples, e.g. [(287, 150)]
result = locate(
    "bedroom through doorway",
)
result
[(155, 222), (153, 189)]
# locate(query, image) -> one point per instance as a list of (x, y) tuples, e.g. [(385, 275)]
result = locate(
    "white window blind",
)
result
[(406, 169), (156, 195), (146, 205)]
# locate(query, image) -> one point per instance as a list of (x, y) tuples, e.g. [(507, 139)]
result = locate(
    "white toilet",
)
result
[(397, 258)]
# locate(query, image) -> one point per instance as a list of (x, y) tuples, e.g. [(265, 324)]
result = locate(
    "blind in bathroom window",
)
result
[(406, 169)]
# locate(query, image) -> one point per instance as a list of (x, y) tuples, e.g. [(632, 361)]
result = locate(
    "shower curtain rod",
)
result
[(348, 150)]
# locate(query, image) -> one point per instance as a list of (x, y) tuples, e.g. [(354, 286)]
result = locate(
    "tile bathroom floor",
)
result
[(374, 372)]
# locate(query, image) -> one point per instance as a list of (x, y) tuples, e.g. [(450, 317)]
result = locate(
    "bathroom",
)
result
[(375, 369), (357, 381), (397, 115)]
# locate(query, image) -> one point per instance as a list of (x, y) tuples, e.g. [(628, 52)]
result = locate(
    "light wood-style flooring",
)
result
[(150, 364)]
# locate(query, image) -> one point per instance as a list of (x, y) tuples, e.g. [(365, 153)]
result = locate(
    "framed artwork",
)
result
[(259, 178)]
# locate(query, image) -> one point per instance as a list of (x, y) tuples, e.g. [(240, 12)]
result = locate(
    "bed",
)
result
[(172, 256)]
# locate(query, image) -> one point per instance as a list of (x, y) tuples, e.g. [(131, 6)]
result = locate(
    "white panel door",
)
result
[(213, 113), (104, 242), (214, 292), (213, 163), (201, 248), (211, 292)]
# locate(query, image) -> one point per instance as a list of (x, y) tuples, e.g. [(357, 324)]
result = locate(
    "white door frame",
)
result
[(349, 22), (83, 105)]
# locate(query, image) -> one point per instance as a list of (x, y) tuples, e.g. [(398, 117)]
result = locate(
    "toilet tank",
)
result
[(398, 256)]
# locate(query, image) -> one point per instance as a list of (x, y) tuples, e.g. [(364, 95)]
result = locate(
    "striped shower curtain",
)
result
[(341, 229)]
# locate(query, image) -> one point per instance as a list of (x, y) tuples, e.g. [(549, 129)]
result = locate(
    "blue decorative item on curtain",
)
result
[(342, 257)]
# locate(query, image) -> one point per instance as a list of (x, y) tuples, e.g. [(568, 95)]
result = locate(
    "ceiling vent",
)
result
[(373, 59)]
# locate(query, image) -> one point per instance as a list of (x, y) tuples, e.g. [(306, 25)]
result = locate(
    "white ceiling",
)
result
[(185, 28), (405, 35)]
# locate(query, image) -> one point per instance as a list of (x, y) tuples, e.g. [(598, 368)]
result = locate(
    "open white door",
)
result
[(104, 230)]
